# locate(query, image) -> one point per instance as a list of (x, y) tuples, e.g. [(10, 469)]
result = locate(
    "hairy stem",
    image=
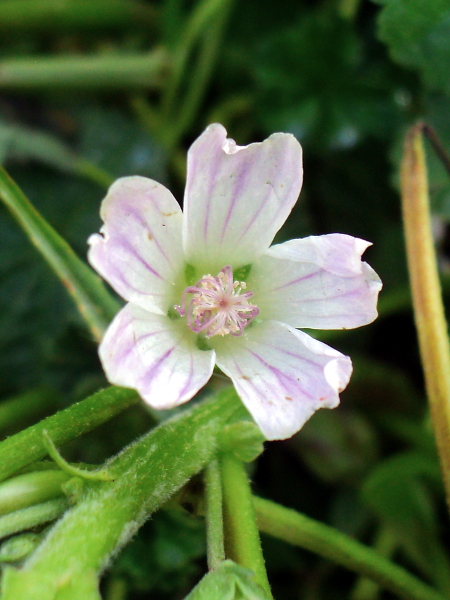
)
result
[(242, 541)]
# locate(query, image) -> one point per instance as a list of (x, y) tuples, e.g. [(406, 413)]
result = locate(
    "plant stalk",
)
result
[(429, 313)]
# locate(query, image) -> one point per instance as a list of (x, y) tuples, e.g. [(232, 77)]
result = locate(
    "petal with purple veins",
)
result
[(318, 282), (139, 251), (283, 375), (155, 355), (237, 198)]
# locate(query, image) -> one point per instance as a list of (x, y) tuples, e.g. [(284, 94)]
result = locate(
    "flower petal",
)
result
[(139, 251), (283, 375), (237, 197), (155, 355), (317, 282)]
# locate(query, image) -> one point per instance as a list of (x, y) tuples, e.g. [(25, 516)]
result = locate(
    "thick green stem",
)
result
[(242, 541), (214, 515), (299, 530), (426, 291), (90, 295), (28, 446), (110, 72), (109, 513)]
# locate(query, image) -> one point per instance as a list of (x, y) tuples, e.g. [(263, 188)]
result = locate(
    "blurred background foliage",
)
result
[(90, 91)]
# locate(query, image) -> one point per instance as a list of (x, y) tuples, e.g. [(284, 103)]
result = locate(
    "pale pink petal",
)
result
[(237, 198), (318, 282), (139, 251), (155, 355), (283, 375)]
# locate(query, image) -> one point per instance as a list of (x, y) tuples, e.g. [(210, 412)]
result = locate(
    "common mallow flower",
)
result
[(205, 287)]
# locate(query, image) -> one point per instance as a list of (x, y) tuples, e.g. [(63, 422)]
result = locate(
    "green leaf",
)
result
[(164, 556), (339, 445), (417, 33), (398, 492), (93, 301), (336, 96), (228, 582), (243, 439)]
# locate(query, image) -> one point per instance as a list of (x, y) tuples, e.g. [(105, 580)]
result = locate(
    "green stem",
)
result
[(201, 74), (31, 488), (93, 173), (242, 541), (385, 544), (214, 515), (26, 408), (110, 72), (427, 296), (149, 117), (30, 517), (299, 530), (108, 514), (61, 15), (201, 16), (28, 446), (90, 295)]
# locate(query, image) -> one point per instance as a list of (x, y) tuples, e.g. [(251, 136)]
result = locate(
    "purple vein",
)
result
[(149, 375), (131, 212), (240, 181), (255, 216), (294, 281)]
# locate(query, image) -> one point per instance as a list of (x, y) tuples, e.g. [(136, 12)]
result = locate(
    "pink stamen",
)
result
[(218, 306)]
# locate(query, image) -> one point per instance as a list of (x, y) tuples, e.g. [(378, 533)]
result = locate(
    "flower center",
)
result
[(218, 305)]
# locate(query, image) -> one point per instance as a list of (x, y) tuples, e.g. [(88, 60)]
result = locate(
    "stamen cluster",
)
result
[(219, 305)]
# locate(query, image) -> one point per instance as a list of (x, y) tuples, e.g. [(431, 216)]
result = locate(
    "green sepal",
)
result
[(74, 489), (202, 343), (173, 314), (18, 547), (228, 582), (96, 475), (243, 439), (190, 274), (242, 273)]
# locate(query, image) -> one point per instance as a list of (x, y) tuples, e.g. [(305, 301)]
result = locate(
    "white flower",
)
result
[(205, 288)]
